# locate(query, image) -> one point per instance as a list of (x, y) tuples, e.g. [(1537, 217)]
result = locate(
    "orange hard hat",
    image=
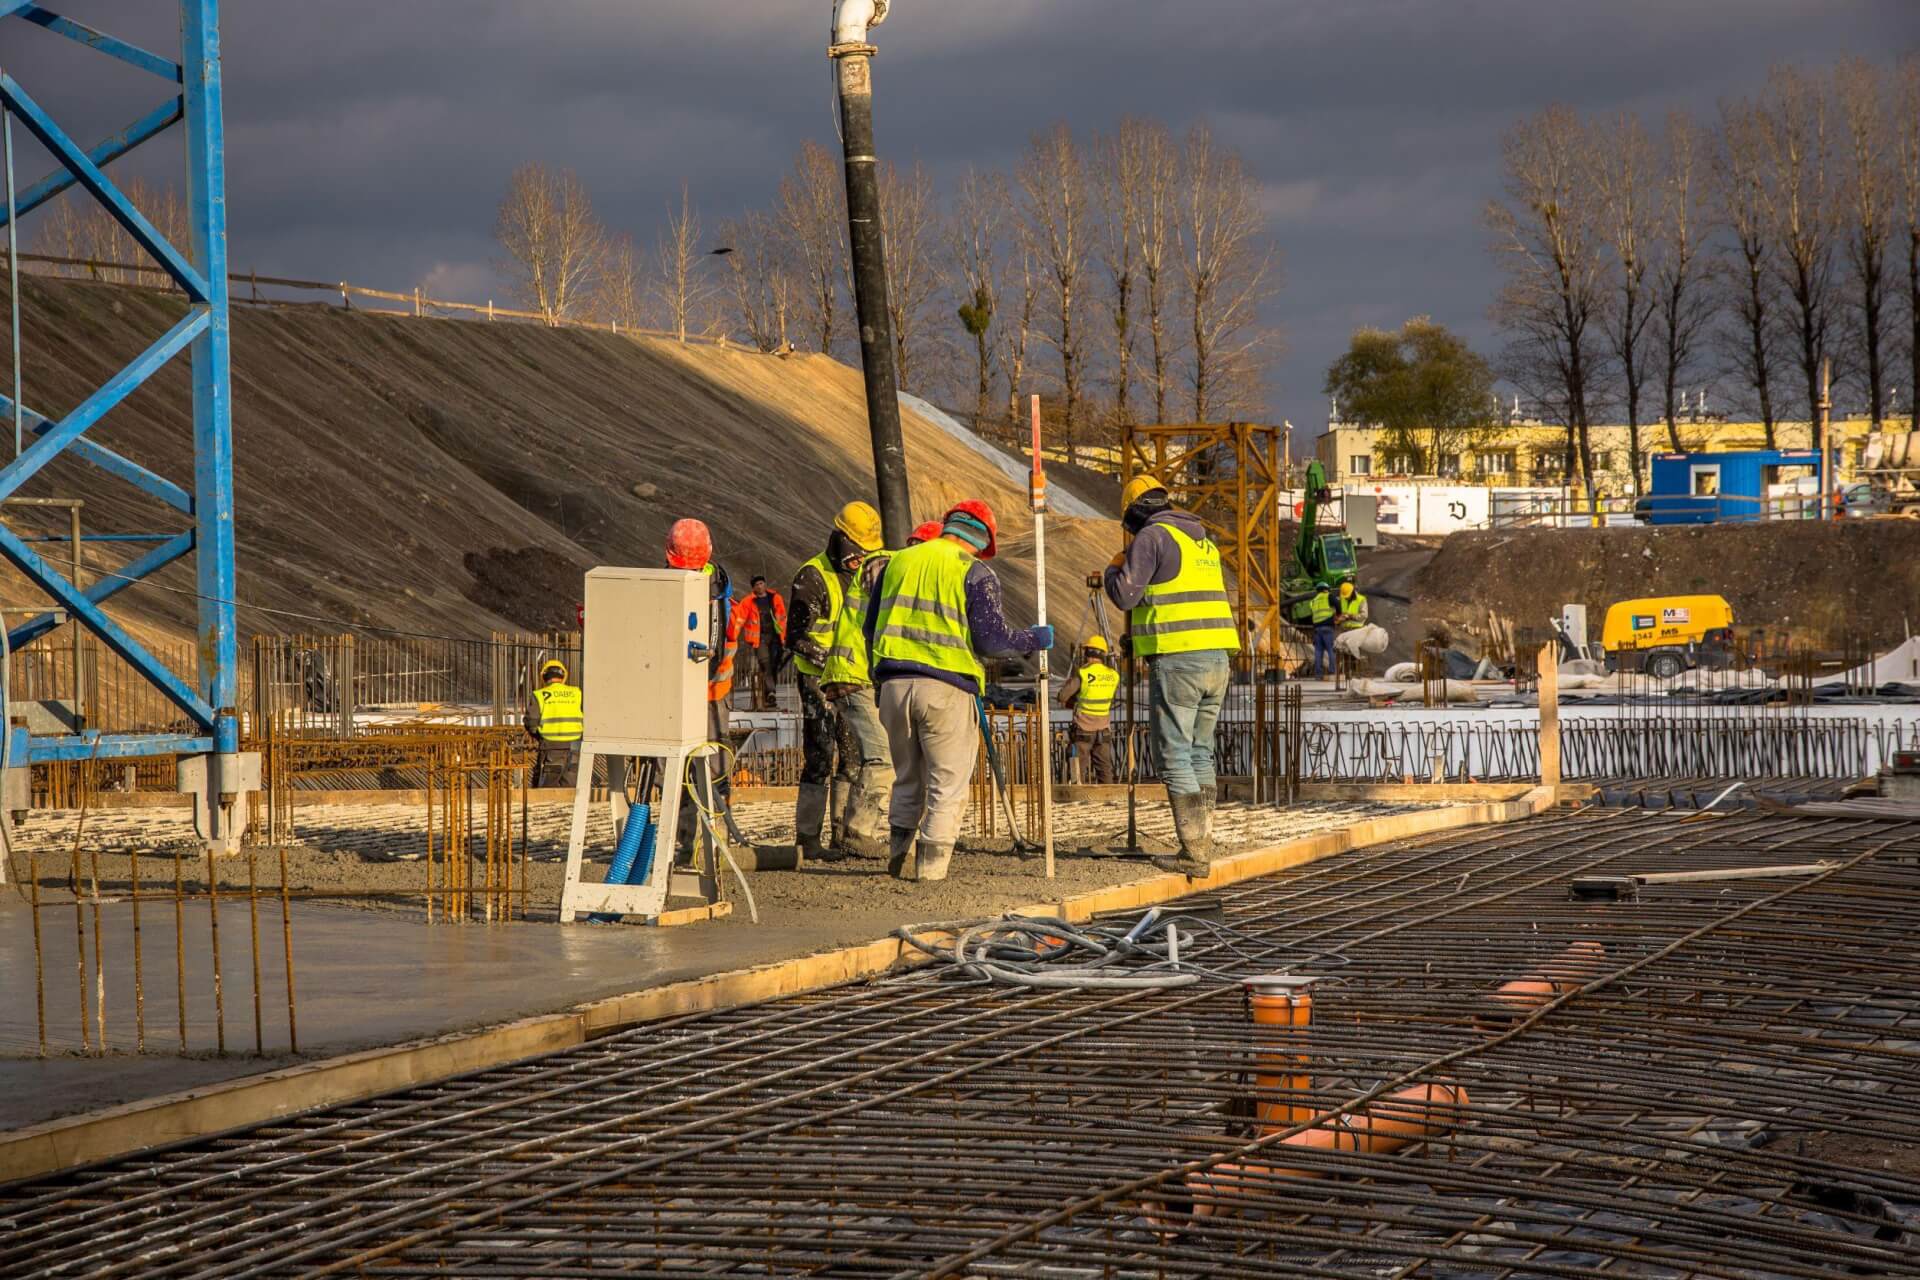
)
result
[(689, 545), (924, 533), (980, 512)]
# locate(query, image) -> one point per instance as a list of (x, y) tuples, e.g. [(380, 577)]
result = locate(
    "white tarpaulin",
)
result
[(1900, 664)]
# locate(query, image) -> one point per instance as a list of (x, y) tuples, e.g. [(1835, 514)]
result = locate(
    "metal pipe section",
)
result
[(853, 57)]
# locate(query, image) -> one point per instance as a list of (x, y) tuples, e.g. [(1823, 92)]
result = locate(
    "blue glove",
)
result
[(1042, 637)]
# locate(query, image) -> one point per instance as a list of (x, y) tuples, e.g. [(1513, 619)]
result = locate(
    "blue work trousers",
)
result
[(1185, 692), (1323, 649)]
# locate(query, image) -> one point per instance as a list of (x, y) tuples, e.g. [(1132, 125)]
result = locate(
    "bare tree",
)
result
[(1740, 195), (1625, 178), (761, 277), (621, 297), (78, 226), (908, 213), (1227, 271), (973, 243), (554, 244), (1549, 244), (1053, 181), (812, 209), (1870, 185), (682, 291), (1907, 118), (1023, 283), (1119, 168), (1155, 235), (1683, 305), (1801, 212)]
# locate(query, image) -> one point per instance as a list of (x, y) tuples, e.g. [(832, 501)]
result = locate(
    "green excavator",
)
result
[(1319, 559)]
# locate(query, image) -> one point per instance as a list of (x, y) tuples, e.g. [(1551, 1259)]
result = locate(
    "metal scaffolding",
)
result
[(200, 271), (1231, 475)]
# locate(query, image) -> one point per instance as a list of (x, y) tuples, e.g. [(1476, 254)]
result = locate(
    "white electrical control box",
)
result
[(645, 652)]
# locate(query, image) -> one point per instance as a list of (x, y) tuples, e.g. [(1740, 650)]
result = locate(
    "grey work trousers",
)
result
[(862, 738), (933, 731)]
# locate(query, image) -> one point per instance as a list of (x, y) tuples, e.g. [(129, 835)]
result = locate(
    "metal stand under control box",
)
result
[(644, 694)]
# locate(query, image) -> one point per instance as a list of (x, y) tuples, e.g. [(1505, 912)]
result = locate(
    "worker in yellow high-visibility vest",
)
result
[(554, 720), (1089, 693), (1182, 623), (819, 591), (934, 616)]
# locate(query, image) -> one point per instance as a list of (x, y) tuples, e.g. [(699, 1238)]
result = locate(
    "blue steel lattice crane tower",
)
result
[(211, 762)]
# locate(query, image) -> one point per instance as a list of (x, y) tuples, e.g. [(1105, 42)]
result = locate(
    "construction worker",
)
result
[(935, 615), (1171, 582), (1350, 607), (690, 547), (847, 685), (743, 625), (553, 719), (1321, 612), (819, 590), (772, 653), (1089, 693)]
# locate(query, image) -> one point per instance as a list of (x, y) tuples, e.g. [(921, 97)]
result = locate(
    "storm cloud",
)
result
[(371, 142)]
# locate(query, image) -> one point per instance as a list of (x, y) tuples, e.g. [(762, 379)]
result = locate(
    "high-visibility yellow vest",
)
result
[(560, 719), (847, 659), (1189, 612), (820, 629), (1322, 607), (923, 610), (1098, 681), (1350, 609)]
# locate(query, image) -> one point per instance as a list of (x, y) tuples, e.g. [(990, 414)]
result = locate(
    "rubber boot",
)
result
[(842, 798), (864, 820), (809, 812), (1190, 826), (934, 858), (901, 862), (1209, 800)]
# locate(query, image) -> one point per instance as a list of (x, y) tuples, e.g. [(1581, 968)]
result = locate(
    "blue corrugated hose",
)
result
[(633, 856)]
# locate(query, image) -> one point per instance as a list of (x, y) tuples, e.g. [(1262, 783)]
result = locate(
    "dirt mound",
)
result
[(1819, 582), (528, 587), (382, 463)]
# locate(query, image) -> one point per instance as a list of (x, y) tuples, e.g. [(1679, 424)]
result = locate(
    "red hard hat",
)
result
[(689, 545), (925, 533), (984, 514)]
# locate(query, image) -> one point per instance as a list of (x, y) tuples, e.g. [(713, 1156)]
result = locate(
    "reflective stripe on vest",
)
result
[(1190, 611), (1321, 608), (923, 610), (560, 719), (847, 659), (820, 629), (1097, 684)]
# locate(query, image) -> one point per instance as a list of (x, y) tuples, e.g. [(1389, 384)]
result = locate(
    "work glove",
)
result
[(1042, 638)]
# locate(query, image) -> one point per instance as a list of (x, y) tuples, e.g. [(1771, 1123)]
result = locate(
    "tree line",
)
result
[(1123, 273), (1750, 250)]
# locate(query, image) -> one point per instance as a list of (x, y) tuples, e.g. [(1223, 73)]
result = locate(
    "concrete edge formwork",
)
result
[(73, 1141)]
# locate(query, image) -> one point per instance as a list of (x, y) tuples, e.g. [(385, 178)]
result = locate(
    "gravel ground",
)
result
[(377, 851)]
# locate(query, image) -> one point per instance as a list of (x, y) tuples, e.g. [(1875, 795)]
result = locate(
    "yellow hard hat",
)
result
[(552, 667), (1346, 586), (1136, 488), (859, 521), (1097, 643)]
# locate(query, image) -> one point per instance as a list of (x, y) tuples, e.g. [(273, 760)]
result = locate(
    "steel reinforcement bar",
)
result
[(1711, 1078)]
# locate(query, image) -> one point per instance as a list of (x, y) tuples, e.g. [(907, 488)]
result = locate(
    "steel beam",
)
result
[(148, 482), (68, 152), (110, 584), (104, 153)]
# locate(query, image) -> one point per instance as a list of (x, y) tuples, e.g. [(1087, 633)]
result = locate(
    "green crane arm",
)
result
[(1306, 544)]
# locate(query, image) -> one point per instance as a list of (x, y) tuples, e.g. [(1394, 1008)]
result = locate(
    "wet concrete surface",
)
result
[(366, 978)]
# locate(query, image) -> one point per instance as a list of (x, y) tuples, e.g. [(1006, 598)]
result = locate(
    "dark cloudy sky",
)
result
[(372, 141)]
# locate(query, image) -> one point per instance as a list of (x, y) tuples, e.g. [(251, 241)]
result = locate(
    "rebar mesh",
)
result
[(1729, 1091)]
